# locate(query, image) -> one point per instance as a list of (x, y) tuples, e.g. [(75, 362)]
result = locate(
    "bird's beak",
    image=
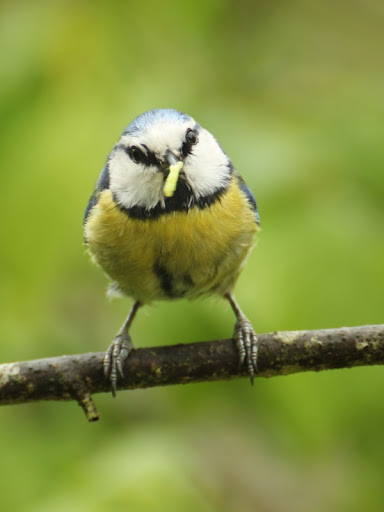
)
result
[(175, 166)]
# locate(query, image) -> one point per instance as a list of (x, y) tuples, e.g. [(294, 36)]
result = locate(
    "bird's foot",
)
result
[(247, 345), (115, 357)]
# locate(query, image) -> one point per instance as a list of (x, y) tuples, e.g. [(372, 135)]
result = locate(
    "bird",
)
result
[(170, 218)]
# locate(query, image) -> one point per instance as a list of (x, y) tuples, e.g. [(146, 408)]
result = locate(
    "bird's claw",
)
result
[(247, 345), (115, 357)]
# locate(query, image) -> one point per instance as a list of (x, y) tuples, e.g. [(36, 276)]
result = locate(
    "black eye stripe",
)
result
[(191, 139), (140, 155), (151, 157), (137, 155), (144, 156)]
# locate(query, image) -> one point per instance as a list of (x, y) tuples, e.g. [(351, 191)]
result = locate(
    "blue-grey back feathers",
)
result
[(251, 198), (103, 181), (101, 184), (91, 203)]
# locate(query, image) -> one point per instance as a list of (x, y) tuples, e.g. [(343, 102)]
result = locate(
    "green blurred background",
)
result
[(294, 93)]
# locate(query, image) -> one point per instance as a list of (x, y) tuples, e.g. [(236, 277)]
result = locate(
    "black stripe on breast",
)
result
[(167, 281), (164, 277)]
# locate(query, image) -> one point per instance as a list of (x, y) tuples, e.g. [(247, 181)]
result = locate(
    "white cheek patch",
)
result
[(207, 168), (134, 184)]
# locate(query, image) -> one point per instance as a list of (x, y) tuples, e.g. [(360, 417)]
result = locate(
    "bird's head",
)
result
[(166, 160)]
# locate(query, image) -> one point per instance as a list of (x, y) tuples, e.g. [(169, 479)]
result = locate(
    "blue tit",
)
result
[(171, 218)]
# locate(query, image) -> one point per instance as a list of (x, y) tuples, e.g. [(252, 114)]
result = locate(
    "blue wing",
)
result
[(250, 197), (102, 184)]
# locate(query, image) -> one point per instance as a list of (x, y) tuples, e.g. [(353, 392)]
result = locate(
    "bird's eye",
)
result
[(137, 155), (191, 137)]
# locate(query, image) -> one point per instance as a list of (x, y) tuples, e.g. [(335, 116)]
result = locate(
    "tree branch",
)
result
[(77, 377)]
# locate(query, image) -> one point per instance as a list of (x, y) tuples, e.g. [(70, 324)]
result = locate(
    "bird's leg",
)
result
[(118, 351), (245, 338)]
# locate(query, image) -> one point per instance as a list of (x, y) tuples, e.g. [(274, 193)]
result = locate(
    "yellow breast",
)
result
[(179, 254)]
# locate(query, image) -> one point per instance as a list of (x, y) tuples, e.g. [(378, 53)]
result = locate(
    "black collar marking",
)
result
[(182, 201)]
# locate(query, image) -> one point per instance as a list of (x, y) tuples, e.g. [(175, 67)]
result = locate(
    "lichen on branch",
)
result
[(79, 376)]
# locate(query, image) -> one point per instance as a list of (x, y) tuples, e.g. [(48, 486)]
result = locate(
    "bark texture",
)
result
[(77, 377)]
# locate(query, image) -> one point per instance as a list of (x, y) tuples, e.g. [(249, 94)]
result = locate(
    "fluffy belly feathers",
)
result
[(180, 254)]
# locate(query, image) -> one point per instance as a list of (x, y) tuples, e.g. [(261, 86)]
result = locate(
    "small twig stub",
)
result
[(77, 377)]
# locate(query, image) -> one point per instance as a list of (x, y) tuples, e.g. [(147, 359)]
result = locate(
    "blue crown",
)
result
[(141, 123)]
